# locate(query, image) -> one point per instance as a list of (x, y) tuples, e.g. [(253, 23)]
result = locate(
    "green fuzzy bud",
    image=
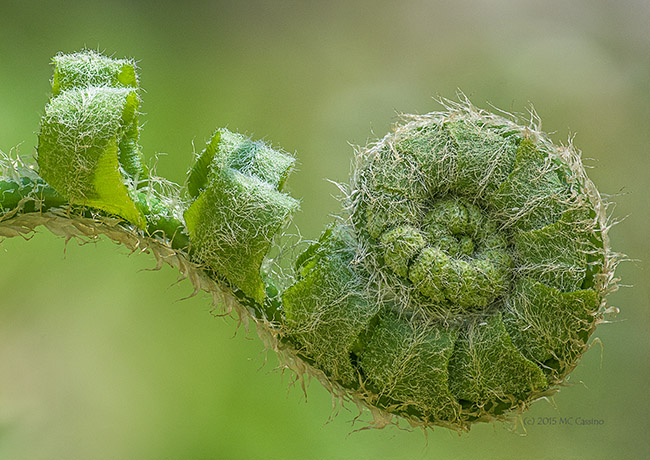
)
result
[(237, 208), (88, 148)]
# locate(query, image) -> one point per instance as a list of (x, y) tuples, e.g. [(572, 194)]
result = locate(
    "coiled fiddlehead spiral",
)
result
[(468, 277), (463, 281)]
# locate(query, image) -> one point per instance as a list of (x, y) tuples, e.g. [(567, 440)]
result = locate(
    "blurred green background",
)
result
[(101, 359)]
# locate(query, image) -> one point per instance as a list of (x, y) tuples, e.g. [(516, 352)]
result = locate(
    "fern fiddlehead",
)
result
[(463, 282)]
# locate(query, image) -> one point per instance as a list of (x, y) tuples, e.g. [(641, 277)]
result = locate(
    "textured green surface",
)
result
[(534, 194), (455, 214), (111, 372), (85, 69), (88, 137), (548, 326), (406, 366), (401, 245), (556, 254), (326, 310), (483, 158), (237, 208), (486, 368)]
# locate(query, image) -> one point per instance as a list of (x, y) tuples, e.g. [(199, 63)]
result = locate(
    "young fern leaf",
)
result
[(237, 208), (87, 144), (462, 283)]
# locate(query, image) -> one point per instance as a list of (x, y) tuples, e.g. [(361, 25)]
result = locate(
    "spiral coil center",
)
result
[(456, 256)]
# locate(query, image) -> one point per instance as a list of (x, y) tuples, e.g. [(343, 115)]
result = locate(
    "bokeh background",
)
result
[(101, 359)]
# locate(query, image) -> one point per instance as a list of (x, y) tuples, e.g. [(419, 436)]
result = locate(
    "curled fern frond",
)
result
[(462, 281), (467, 278)]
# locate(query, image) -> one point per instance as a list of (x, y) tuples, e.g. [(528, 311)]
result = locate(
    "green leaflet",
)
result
[(486, 369), (89, 153), (534, 195), (483, 158), (405, 363), (401, 245), (418, 141), (386, 211), (232, 150), (557, 254), (326, 309), (237, 208), (398, 172), (87, 148), (471, 159), (550, 327), (88, 68)]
